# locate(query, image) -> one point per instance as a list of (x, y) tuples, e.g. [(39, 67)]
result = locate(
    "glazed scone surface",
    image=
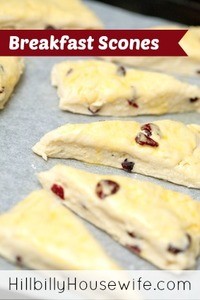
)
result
[(11, 69), (164, 229), (102, 88), (40, 233), (164, 149), (55, 14)]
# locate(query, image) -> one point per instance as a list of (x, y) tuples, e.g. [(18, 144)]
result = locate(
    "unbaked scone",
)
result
[(11, 69), (40, 233), (46, 14), (102, 88), (164, 149), (189, 66), (164, 228)]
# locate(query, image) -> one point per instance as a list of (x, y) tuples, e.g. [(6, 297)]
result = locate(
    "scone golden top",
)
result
[(55, 14), (41, 234), (164, 228), (102, 88), (11, 69), (165, 149), (90, 82)]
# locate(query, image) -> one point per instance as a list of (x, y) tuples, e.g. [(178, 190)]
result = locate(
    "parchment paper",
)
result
[(33, 111)]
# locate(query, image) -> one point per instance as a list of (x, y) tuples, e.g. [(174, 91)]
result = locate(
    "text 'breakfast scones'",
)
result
[(164, 149), (177, 65), (11, 69), (46, 14), (42, 234), (102, 88), (164, 229)]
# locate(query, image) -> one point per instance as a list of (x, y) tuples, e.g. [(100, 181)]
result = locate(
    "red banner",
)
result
[(91, 42)]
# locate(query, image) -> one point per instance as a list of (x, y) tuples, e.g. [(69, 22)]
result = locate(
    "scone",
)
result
[(102, 88), (40, 233), (11, 69), (46, 14), (189, 66), (164, 228), (164, 149)]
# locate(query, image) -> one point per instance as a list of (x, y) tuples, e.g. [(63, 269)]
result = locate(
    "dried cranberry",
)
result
[(58, 190), (2, 90), (150, 128), (93, 110), (133, 103), (50, 27), (131, 234), (174, 250), (18, 260), (145, 140), (134, 248), (195, 99), (143, 137), (128, 165), (69, 71), (105, 188), (147, 128), (121, 71)]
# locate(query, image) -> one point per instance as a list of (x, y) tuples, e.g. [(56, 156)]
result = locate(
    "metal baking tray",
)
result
[(33, 111)]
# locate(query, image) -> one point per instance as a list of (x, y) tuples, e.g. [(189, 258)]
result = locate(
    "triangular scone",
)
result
[(47, 14), (189, 66), (42, 234), (11, 69), (102, 88), (164, 149), (160, 225)]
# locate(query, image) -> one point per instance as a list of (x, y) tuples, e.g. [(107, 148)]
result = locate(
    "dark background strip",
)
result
[(183, 11)]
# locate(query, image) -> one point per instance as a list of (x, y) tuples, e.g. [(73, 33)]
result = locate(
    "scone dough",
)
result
[(164, 228), (47, 14), (164, 149), (189, 66), (95, 87), (11, 69), (40, 233)]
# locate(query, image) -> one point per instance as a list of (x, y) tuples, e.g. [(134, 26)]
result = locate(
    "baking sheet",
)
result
[(33, 111)]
